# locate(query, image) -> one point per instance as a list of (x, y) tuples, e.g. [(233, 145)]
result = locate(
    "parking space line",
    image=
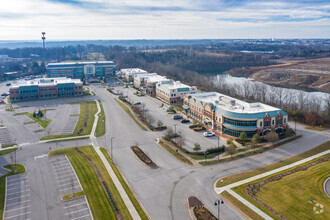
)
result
[(15, 183), (29, 200), (64, 176), (17, 209), (69, 188), (75, 205), (63, 168), (80, 217), (16, 180), (16, 188), (17, 215), (62, 165), (61, 173), (75, 211), (18, 192), (18, 197), (17, 177), (67, 183), (64, 180)]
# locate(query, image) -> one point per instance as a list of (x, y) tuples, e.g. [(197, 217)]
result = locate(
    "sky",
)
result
[(163, 19)]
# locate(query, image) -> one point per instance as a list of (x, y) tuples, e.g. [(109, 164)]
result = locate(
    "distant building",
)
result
[(148, 82), (45, 88), (228, 116), (128, 74), (79, 69), (172, 92), (4, 57)]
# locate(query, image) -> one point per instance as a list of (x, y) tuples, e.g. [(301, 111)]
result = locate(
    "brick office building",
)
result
[(45, 88), (227, 116)]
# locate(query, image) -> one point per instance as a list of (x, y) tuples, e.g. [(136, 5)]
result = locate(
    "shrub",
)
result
[(215, 150), (197, 147)]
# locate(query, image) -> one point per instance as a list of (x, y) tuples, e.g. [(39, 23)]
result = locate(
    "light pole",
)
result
[(295, 126), (218, 148), (175, 131), (205, 153), (111, 149), (218, 202)]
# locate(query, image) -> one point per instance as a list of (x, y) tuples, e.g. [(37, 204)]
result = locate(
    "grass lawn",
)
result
[(72, 196), (20, 169), (174, 153), (9, 145), (4, 152), (316, 128), (127, 110), (80, 124), (202, 157), (243, 208), (96, 196), (295, 201), (127, 189), (240, 176), (100, 128)]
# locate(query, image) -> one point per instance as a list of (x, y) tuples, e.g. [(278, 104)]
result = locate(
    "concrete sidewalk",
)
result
[(122, 192), (228, 188)]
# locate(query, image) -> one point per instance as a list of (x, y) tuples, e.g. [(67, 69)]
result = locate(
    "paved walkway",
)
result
[(255, 209), (327, 186), (122, 192)]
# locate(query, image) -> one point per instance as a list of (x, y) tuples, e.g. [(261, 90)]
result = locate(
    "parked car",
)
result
[(4, 94), (137, 103), (176, 117), (208, 134), (184, 121), (8, 84)]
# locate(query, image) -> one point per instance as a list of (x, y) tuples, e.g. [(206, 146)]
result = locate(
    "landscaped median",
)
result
[(298, 181), (20, 169), (143, 157), (103, 197), (36, 118), (84, 124), (7, 151), (126, 187), (126, 108), (100, 128)]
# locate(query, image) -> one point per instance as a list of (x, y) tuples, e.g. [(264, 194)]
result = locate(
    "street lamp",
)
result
[(111, 149), (218, 202), (295, 126), (218, 148), (205, 153), (175, 131)]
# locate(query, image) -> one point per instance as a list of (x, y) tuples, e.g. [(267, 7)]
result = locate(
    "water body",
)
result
[(233, 80)]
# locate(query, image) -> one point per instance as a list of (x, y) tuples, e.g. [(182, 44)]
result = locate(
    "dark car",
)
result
[(176, 117), (8, 84), (4, 94), (183, 121)]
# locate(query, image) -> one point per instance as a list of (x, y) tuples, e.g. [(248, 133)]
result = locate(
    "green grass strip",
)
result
[(127, 189), (174, 153), (42, 123), (127, 110), (100, 128), (8, 151), (240, 176), (20, 169)]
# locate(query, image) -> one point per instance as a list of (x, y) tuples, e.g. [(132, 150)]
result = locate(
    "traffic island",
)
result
[(143, 157), (197, 210)]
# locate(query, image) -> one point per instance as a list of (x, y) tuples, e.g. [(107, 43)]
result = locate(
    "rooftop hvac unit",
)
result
[(233, 102)]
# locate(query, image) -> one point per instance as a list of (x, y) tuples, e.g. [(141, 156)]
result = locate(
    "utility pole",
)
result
[(43, 48), (218, 148), (111, 149), (175, 132)]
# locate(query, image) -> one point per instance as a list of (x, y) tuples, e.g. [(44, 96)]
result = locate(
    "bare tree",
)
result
[(272, 137), (231, 149)]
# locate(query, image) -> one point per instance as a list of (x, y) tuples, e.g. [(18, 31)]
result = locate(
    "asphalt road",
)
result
[(163, 191), (327, 187)]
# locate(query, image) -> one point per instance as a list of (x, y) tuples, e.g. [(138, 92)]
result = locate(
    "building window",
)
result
[(267, 123), (240, 123), (273, 122), (278, 121), (284, 120), (261, 124)]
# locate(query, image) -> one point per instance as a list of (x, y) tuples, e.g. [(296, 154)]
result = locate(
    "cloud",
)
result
[(131, 19)]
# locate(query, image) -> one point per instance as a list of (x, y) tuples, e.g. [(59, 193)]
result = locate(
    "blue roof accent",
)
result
[(240, 127), (258, 115), (80, 64)]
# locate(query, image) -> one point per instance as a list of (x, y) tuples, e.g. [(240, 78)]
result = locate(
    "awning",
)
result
[(185, 107)]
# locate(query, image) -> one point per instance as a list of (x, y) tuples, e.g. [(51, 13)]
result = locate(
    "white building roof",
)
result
[(131, 71), (46, 82), (232, 104), (173, 85)]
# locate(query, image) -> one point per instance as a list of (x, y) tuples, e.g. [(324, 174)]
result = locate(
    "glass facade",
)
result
[(236, 133), (240, 123)]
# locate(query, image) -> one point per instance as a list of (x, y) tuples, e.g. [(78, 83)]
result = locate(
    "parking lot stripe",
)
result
[(18, 192), (15, 183), (17, 177), (17, 215), (80, 217), (8, 181), (64, 176), (16, 188), (67, 183), (17, 208), (18, 197), (75, 211), (75, 205), (64, 180), (69, 188), (61, 173), (59, 166), (63, 168), (29, 200)]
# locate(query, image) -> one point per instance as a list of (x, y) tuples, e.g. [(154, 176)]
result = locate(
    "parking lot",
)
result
[(67, 182), (18, 200), (5, 137), (153, 107)]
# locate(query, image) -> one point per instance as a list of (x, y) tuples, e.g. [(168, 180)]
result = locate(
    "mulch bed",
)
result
[(143, 157)]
